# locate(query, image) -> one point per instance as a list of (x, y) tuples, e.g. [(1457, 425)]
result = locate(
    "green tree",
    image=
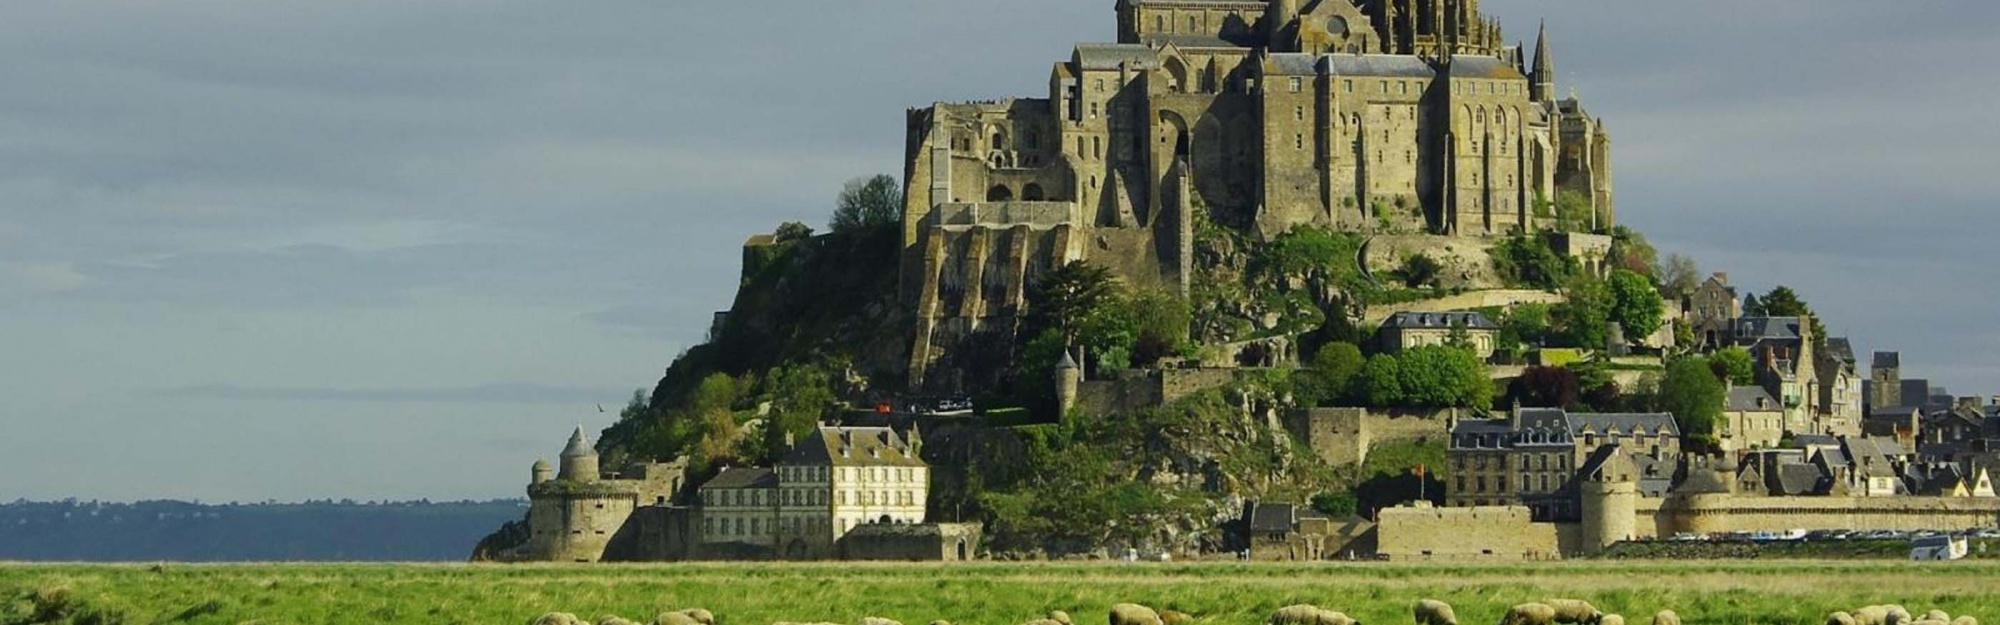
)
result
[(1696, 397), (1337, 504), (1585, 310), (1632, 252), (1735, 365), (1443, 376), (1529, 260), (1331, 378), (792, 231), (1525, 324), (1382, 381), (1678, 276), (1420, 270), (1574, 212), (800, 396), (1065, 297), (1636, 306), (868, 203), (1782, 301), (1163, 321)]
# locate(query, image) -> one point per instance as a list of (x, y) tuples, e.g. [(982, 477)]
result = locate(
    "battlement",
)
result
[(1043, 214)]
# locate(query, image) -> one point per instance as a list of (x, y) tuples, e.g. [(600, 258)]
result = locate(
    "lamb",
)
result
[(876, 620), (1937, 615), (1575, 611), (1841, 618), (614, 620), (1898, 615), (1965, 620), (1529, 614), (1611, 619), (1134, 614), (1060, 616), (1175, 617), (1433, 612), (1043, 621), (1666, 617), (675, 618), (558, 618), (704, 617)]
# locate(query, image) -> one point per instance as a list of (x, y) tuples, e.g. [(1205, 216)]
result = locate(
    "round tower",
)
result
[(1068, 378), (542, 472), (579, 459), (1610, 511)]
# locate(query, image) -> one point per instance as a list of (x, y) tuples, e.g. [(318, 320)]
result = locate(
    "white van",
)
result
[(1938, 548)]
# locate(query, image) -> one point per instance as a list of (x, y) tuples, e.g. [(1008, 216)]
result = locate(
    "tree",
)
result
[(1529, 260), (1696, 397), (1585, 310), (1443, 376), (1381, 381), (1525, 324), (1678, 276), (868, 203), (792, 231), (1782, 301), (1337, 504), (1632, 252), (1735, 365), (1331, 378), (1065, 296), (1574, 212), (1545, 387), (1636, 306), (1420, 270), (799, 396)]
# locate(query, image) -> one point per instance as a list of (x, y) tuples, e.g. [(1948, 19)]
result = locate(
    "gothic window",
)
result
[(1160, 23), (1191, 26)]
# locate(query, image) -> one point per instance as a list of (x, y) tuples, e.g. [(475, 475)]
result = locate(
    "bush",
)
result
[(1529, 260), (1420, 270)]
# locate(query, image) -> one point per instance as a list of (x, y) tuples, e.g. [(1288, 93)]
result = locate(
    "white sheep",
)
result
[(1433, 612), (1611, 619), (1872, 615), (1898, 615), (558, 618), (876, 620), (1965, 620), (1666, 617), (1060, 616), (614, 620), (1175, 617), (1134, 614), (1937, 615), (1529, 614), (675, 618), (1574, 611)]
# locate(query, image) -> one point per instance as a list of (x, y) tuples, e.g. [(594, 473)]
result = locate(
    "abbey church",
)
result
[(1372, 116)]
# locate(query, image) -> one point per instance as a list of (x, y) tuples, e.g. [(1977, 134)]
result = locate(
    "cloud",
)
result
[(496, 393), (50, 277)]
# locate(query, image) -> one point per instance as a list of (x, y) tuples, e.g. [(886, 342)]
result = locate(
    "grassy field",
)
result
[(1798, 592)]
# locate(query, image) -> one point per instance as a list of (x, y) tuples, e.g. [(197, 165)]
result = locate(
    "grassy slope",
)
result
[(1002, 594)]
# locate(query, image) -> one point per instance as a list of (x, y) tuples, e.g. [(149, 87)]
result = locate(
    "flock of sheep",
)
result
[(1425, 612)]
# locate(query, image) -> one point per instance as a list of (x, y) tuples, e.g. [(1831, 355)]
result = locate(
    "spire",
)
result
[(1545, 68), (1066, 362), (579, 445)]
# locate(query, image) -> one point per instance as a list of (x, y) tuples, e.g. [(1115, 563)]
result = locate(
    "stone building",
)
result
[(1405, 330), (580, 514), (1532, 457), (1712, 312), (1410, 116), (1841, 404), (1752, 419), (1885, 382), (1786, 365), (836, 480)]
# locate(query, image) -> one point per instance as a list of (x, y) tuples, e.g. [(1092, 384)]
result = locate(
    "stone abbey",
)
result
[(1373, 116)]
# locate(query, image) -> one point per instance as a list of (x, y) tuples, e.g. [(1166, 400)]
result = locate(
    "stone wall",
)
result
[(926, 542), (1705, 514), (1343, 436), (1138, 389), (1422, 532), (1467, 262), (1463, 301)]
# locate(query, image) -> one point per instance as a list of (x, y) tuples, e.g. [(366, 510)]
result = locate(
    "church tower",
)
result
[(1543, 80)]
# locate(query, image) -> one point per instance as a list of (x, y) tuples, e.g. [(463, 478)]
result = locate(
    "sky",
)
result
[(379, 249)]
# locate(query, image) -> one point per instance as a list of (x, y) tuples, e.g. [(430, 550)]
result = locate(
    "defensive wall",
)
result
[(1138, 389), (1463, 301), (1424, 532), (1343, 436)]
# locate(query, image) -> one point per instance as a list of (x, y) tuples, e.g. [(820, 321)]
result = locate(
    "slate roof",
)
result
[(1101, 56), (751, 477), (1816, 440), (1554, 426), (1192, 41), (1840, 349), (1747, 399), (1382, 65), (1292, 64), (1885, 360), (1482, 67), (1439, 320), (1768, 328), (579, 446), (1651, 424), (853, 447), (1801, 479), (1271, 517)]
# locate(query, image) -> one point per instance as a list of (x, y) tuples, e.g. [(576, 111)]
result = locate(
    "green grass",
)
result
[(1784, 592)]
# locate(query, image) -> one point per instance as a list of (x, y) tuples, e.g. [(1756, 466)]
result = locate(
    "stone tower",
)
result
[(542, 472), (1610, 498), (579, 459), (1543, 78), (1068, 378), (1887, 384)]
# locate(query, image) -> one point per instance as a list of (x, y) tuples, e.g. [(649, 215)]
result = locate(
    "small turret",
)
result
[(542, 472), (579, 459), (1068, 378), (1544, 77)]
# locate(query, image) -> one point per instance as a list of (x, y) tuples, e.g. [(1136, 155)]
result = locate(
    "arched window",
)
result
[(999, 193), (999, 141), (1032, 193)]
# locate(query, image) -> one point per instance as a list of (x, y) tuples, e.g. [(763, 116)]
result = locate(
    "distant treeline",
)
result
[(180, 531)]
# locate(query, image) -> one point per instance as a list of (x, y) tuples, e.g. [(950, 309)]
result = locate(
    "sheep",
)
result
[(1872, 615), (1305, 614), (1574, 611), (1175, 617), (1134, 614), (940, 622), (1060, 616), (876, 620), (1937, 615), (1529, 614), (704, 617), (1898, 615), (1841, 618), (558, 618), (1926, 621), (1965, 620), (675, 618), (1611, 619), (1666, 617), (1043, 621), (1433, 612), (614, 620)]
